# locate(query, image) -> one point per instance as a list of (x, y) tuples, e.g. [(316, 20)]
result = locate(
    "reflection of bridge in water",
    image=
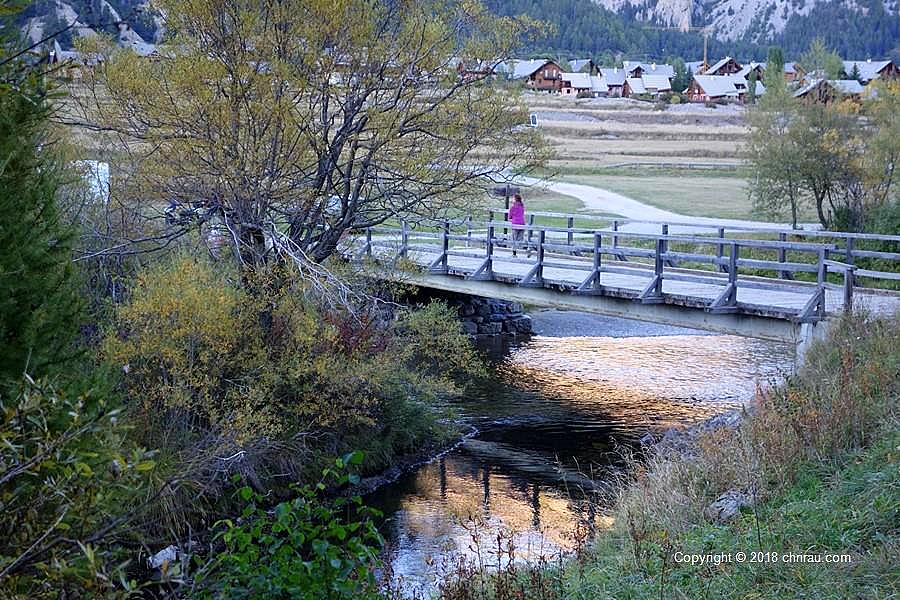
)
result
[(731, 281)]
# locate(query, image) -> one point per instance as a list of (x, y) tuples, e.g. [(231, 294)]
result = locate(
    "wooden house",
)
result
[(708, 88), (540, 75), (726, 66), (869, 69), (827, 91)]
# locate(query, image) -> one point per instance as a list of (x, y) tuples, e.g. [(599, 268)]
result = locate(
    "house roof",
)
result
[(578, 64), (598, 84), (868, 69), (847, 87), (713, 68), (613, 76), (519, 69), (658, 82), (745, 70), (790, 67), (637, 85), (581, 81), (716, 86), (650, 68)]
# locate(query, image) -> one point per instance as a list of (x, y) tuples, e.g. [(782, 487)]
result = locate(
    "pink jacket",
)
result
[(517, 213)]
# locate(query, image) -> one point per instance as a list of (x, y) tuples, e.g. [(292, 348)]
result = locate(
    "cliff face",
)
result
[(130, 21), (759, 20)]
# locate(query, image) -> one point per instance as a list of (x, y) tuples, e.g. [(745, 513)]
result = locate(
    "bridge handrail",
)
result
[(713, 226)]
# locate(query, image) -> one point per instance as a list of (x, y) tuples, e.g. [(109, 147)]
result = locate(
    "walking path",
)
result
[(600, 200)]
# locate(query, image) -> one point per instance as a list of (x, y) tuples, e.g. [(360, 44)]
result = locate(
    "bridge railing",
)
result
[(849, 248), (590, 251)]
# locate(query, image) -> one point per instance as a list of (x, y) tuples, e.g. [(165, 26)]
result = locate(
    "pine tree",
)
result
[(38, 303)]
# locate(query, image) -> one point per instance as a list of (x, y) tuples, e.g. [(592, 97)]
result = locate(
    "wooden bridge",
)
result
[(770, 284)]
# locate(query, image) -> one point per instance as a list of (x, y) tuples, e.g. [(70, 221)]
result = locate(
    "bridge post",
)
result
[(404, 238), (570, 237), (368, 250), (485, 272), (720, 248), (440, 265), (653, 294), (615, 241), (592, 285), (530, 230), (535, 277), (782, 256), (822, 274), (726, 302), (849, 258), (849, 282), (665, 231)]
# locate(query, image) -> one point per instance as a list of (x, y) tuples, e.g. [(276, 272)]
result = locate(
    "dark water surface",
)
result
[(548, 420)]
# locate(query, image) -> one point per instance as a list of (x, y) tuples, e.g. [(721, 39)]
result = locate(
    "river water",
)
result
[(556, 410)]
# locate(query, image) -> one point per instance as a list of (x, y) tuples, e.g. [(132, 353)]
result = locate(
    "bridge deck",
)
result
[(742, 286)]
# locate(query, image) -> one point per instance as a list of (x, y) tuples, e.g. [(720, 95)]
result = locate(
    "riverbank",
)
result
[(811, 473)]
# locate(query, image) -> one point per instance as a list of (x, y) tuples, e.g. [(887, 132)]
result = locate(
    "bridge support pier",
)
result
[(807, 335)]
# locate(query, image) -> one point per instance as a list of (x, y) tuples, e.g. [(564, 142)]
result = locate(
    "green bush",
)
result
[(221, 363), (67, 484), (307, 548)]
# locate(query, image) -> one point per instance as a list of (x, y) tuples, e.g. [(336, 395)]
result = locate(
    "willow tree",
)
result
[(293, 122)]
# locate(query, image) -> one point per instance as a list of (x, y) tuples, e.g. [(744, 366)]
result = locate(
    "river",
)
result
[(556, 411)]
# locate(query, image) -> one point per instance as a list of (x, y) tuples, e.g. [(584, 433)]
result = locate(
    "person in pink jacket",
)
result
[(517, 219)]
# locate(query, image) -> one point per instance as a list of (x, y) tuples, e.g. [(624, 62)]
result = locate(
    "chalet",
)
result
[(706, 88), (726, 66), (648, 85), (826, 91), (753, 67), (869, 69), (634, 86), (639, 69), (583, 65), (614, 80), (793, 72), (573, 84), (541, 75)]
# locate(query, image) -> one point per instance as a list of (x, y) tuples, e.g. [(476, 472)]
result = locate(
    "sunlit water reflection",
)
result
[(554, 413)]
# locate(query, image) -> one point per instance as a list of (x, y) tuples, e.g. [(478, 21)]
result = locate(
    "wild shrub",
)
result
[(231, 372), (305, 548), (70, 484)]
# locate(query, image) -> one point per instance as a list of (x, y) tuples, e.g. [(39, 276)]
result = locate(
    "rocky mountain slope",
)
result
[(760, 20), (856, 29), (130, 21)]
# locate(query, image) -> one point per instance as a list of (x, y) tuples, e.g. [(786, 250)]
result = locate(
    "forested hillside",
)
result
[(869, 29), (584, 27)]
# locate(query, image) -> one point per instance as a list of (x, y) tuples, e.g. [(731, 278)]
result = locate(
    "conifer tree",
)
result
[(38, 303)]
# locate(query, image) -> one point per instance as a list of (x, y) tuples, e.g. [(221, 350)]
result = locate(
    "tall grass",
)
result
[(816, 459)]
